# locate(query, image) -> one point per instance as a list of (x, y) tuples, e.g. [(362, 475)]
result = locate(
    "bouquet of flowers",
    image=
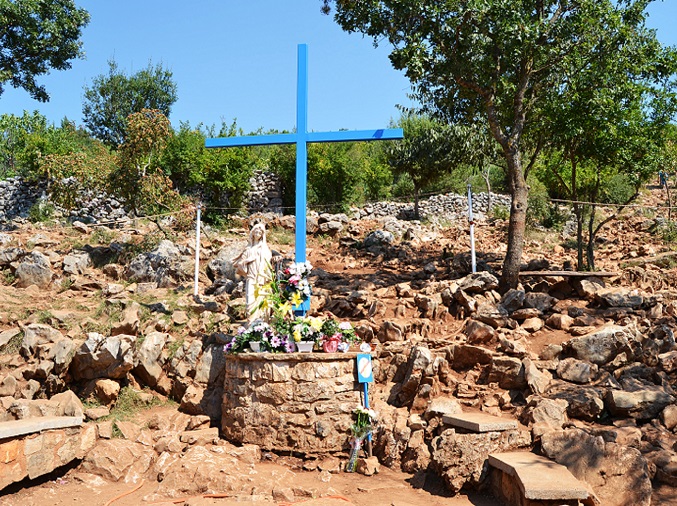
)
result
[(261, 332), (336, 336), (294, 284), (305, 328), (366, 419)]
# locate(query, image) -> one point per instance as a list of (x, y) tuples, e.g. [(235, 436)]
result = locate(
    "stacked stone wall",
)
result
[(300, 402)]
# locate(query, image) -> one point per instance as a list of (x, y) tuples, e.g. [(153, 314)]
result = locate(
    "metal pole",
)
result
[(471, 221), (301, 162), (197, 247), (366, 406)]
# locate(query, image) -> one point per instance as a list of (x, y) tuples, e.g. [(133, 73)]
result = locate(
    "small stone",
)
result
[(369, 466)]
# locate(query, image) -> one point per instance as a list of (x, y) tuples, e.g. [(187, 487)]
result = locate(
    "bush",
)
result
[(41, 211)]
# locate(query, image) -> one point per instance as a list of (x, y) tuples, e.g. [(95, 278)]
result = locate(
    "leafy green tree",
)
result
[(139, 177), (608, 120), (113, 97), (220, 176), (493, 62), (14, 131), (35, 36)]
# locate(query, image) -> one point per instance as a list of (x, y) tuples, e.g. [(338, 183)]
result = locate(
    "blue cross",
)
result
[(301, 138)]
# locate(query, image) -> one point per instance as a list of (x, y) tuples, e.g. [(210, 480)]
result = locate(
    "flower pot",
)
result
[(330, 345), (255, 346), (305, 346)]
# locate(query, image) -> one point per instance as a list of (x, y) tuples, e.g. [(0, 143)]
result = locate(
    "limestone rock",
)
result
[(118, 460), (369, 466), (166, 265), (478, 282), (34, 269), (545, 414), (107, 390), (537, 380), (76, 263), (512, 300), (478, 332), (576, 371), (221, 267), (508, 372), (582, 403), (69, 404), (602, 346), (149, 368), (640, 404), (619, 297), (37, 334), (130, 321), (559, 321), (103, 357), (618, 474), (460, 459)]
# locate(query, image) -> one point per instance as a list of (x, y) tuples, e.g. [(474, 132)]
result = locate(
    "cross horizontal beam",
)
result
[(382, 134)]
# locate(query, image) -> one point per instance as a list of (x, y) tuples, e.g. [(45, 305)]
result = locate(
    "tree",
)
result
[(113, 97), (139, 178), (36, 35), (607, 122), (493, 62), (429, 150), (14, 131)]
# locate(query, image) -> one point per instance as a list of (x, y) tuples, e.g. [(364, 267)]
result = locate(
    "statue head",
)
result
[(257, 234)]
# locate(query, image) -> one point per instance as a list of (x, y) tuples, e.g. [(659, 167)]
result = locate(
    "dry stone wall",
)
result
[(301, 402)]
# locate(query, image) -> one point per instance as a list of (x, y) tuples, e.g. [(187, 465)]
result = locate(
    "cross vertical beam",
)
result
[(301, 138)]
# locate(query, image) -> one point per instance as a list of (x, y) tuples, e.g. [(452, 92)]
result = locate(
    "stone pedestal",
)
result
[(301, 402)]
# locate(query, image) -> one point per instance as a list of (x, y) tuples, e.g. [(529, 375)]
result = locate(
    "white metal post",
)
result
[(471, 221), (197, 247)]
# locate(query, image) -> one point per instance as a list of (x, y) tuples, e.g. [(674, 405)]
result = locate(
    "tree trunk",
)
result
[(590, 250), (578, 212), (417, 191), (518, 219)]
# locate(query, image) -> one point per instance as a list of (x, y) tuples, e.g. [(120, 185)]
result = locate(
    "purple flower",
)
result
[(275, 341), (289, 347)]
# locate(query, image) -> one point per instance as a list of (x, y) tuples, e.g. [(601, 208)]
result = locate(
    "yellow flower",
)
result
[(285, 308), (297, 336), (296, 299), (316, 323)]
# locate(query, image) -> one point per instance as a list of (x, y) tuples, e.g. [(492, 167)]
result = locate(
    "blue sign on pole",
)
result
[(365, 372), (301, 138)]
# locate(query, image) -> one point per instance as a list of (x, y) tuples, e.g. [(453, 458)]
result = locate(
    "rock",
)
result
[(478, 332), (165, 265), (377, 239), (96, 413), (200, 437), (619, 297), (107, 390), (10, 255), (537, 380), (577, 371), (222, 267), (441, 406), (129, 430), (390, 331), (618, 474), (467, 356), (179, 317), (669, 417), (69, 404), (538, 300), (550, 352), (103, 357), (602, 346), (460, 459), (587, 288), (80, 227), (105, 430), (331, 228), (34, 269), (478, 282), (532, 325), (37, 334), (149, 368), (210, 367), (512, 300), (192, 401), (583, 403), (545, 414), (641, 404), (559, 321), (130, 321), (369, 466), (8, 386), (119, 459), (76, 263), (508, 372)]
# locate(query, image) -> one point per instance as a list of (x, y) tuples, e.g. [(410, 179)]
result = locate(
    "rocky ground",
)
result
[(588, 366)]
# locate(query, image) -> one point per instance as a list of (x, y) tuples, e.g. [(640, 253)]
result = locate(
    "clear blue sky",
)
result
[(237, 59)]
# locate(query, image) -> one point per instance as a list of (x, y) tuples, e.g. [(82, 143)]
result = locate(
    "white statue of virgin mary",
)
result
[(254, 263)]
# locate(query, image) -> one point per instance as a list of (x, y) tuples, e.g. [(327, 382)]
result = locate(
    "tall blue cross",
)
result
[(301, 138)]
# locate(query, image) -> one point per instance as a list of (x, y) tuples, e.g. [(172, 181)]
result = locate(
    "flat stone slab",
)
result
[(539, 478), (15, 428), (480, 422)]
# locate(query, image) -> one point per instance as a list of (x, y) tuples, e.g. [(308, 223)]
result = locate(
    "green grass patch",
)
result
[(129, 403)]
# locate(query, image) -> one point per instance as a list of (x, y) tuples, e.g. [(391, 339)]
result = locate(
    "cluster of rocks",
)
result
[(18, 196), (265, 193), (449, 205)]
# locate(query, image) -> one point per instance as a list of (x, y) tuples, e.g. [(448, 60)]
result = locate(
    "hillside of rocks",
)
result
[(587, 365)]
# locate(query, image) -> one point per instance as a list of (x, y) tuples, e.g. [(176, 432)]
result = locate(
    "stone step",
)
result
[(480, 422), (539, 478), (15, 428)]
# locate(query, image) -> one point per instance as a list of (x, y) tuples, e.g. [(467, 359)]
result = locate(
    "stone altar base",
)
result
[(301, 402)]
